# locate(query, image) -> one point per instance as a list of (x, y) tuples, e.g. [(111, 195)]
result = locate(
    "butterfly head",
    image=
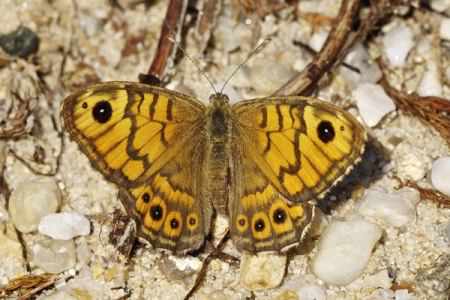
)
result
[(219, 100)]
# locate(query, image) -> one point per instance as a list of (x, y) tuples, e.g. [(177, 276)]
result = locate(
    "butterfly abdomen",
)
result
[(219, 135)]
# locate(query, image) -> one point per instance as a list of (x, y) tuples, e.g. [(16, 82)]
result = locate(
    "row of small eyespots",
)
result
[(281, 220), (156, 213)]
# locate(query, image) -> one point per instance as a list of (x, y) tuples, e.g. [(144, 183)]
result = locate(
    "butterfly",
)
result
[(178, 161)]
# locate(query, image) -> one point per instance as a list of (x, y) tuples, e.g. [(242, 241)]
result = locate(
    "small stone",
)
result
[(430, 85), (318, 39), (312, 292), (262, 271), (372, 102), (54, 256), (64, 226), (179, 268), (394, 208), (440, 175), (187, 264), (344, 250), (397, 44), (404, 295), (444, 31), (287, 295), (360, 58), (304, 288), (22, 42), (441, 6), (31, 201)]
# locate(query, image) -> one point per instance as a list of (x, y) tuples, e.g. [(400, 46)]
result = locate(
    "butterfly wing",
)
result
[(286, 151), (260, 217), (303, 146), (130, 130), (171, 210), (148, 141)]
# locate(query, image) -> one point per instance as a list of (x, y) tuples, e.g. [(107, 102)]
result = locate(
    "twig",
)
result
[(30, 285), (206, 21), (305, 81), (170, 33), (14, 126), (352, 26), (215, 253), (38, 172)]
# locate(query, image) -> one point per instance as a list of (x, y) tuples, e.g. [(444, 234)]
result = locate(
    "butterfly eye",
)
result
[(325, 131), (102, 111)]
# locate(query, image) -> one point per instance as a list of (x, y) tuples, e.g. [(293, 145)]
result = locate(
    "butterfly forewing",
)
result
[(302, 145), (129, 130)]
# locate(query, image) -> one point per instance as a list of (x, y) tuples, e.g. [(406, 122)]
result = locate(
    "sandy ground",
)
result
[(93, 41)]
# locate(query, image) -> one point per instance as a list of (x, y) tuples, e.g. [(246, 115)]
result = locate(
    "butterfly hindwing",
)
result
[(261, 219), (303, 146), (171, 210)]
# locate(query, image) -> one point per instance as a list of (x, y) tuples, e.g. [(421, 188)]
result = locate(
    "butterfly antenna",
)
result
[(250, 55), (195, 62)]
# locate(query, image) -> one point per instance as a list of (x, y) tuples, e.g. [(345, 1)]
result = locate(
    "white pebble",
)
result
[(396, 208), (440, 175), (303, 288), (31, 201), (404, 295), (64, 226), (318, 39), (187, 264), (445, 29), (54, 256), (381, 294), (372, 102), (344, 250), (312, 292), (397, 44), (360, 58), (262, 271), (430, 84), (440, 5)]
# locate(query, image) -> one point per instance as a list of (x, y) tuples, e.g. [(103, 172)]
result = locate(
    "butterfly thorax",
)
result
[(218, 128)]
